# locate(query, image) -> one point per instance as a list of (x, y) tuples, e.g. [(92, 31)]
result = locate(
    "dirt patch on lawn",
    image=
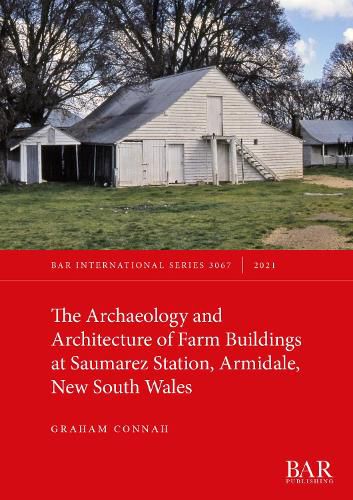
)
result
[(309, 238), (329, 217), (329, 181)]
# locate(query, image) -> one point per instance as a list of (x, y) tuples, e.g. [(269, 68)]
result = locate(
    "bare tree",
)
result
[(338, 73), (51, 56), (250, 40), (310, 100), (8, 87)]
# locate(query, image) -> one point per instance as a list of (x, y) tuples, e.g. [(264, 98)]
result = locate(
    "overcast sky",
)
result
[(321, 24)]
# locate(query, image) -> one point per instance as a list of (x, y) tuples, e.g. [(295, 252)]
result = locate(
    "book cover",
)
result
[(176, 249)]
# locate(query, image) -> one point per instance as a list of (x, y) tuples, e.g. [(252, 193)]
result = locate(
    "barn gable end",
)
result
[(185, 122)]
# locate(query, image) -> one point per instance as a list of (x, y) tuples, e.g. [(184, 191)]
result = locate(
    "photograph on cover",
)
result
[(176, 125)]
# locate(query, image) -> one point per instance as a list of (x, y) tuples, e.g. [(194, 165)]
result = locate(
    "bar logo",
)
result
[(316, 472)]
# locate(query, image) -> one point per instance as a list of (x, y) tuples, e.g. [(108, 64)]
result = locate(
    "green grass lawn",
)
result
[(67, 216), (341, 171)]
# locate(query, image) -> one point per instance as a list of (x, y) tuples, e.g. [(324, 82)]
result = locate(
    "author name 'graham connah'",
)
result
[(106, 429)]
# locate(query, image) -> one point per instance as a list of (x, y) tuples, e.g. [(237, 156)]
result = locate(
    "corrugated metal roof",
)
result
[(130, 108), (62, 118), (328, 131), (59, 118)]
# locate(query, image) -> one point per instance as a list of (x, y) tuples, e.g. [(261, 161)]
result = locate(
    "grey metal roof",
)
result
[(130, 108), (62, 118), (328, 131), (58, 118)]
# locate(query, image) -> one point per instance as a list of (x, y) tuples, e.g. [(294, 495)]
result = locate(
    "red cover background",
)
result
[(231, 437)]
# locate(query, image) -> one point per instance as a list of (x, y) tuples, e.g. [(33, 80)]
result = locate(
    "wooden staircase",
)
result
[(267, 173)]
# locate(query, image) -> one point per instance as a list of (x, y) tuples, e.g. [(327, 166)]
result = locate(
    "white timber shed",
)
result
[(192, 127), (44, 154)]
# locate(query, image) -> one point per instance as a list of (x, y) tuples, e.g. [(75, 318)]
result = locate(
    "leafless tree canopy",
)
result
[(310, 100), (56, 52), (250, 40), (338, 73)]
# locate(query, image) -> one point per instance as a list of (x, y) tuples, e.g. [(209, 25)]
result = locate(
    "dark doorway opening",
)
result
[(96, 164), (59, 163)]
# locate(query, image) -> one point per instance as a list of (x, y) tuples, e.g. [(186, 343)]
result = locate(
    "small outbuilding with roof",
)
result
[(327, 142), (42, 154)]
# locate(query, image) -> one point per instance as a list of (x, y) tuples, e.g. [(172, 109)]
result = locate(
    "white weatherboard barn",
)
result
[(192, 127), (188, 128)]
